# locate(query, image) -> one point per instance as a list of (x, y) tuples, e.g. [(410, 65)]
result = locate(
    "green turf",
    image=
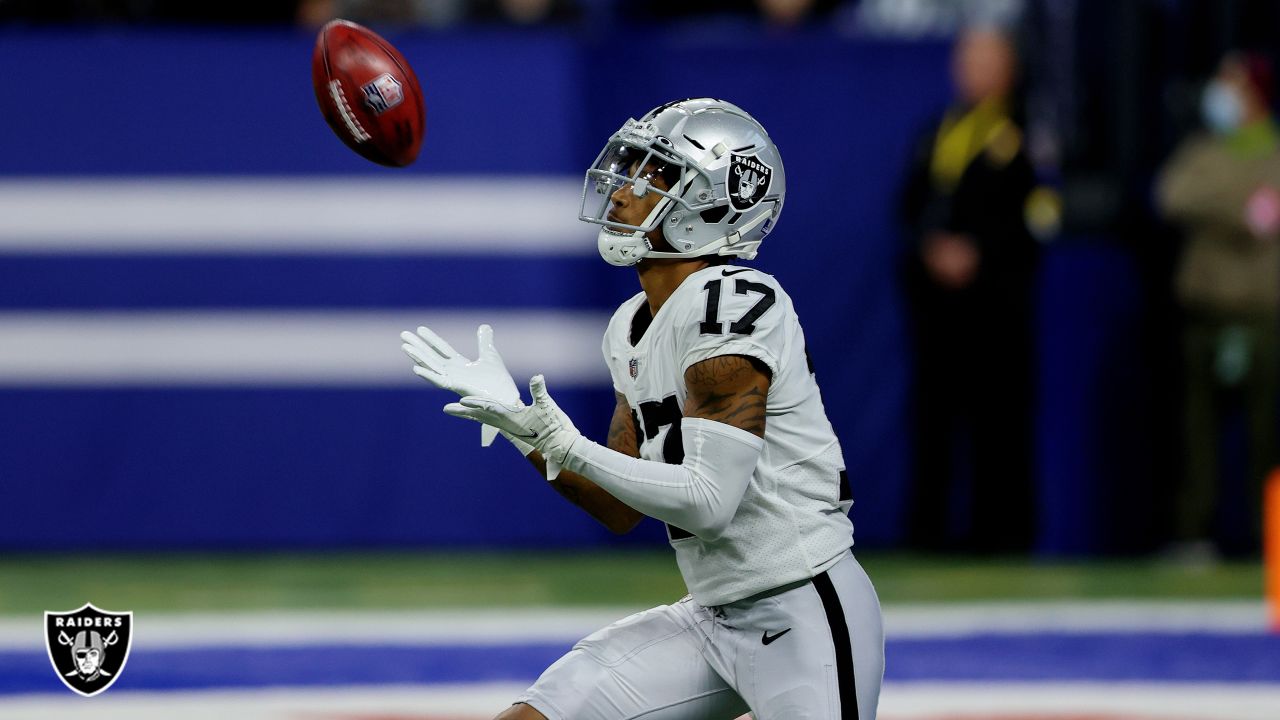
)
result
[(32, 583)]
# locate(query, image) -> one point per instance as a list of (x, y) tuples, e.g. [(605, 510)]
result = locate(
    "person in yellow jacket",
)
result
[(1222, 189), (969, 272)]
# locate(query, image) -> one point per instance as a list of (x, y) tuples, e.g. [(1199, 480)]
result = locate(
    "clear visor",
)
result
[(634, 169)]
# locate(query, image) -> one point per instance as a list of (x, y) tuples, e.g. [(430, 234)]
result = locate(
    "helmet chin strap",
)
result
[(626, 250), (708, 249)]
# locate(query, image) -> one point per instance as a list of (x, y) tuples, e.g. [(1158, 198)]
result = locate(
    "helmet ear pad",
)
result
[(658, 241), (681, 235)]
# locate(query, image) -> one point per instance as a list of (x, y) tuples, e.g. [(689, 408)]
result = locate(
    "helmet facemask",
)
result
[(634, 158)]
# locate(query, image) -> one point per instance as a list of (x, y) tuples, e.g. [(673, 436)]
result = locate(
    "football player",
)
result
[(719, 431)]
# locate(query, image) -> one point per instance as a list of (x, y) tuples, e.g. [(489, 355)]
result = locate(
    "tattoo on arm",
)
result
[(598, 503), (580, 491), (622, 430), (568, 492), (732, 389)]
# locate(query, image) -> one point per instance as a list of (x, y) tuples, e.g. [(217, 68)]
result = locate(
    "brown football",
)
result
[(368, 93)]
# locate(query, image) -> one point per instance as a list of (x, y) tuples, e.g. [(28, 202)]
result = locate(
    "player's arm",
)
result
[(599, 504), (729, 389), (700, 495)]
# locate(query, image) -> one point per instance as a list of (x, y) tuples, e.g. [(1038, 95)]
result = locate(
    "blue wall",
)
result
[(251, 467)]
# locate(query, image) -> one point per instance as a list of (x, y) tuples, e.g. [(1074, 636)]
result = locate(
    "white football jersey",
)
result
[(793, 522)]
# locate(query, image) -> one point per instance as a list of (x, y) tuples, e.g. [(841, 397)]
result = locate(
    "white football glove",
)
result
[(543, 425), (486, 376)]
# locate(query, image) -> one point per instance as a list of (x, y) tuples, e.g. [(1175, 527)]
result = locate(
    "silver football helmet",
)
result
[(725, 177)]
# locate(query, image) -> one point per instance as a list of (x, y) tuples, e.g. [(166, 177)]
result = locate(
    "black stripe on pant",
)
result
[(843, 644)]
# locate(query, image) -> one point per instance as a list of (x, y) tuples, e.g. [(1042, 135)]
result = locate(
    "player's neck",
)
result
[(659, 277)]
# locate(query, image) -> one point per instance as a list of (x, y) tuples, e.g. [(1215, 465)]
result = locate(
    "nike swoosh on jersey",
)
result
[(767, 638), (727, 273)]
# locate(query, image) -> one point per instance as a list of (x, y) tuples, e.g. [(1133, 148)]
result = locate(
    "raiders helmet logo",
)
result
[(88, 647), (749, 179)]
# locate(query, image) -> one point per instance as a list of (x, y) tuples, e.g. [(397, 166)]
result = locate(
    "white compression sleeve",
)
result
[(700, 495)]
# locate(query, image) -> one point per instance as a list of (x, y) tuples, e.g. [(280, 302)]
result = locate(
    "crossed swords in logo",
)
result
[(107, 642)]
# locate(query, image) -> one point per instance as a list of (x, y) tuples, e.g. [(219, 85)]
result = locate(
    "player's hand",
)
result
[(542, 425), (486, 376)]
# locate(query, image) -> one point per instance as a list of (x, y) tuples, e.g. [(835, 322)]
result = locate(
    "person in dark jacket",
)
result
[(969, 276)]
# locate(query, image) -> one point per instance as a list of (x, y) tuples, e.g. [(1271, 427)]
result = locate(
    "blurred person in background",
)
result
[(440, 13), (774, 13), (434, 13), (151, 11), (1220, 189), (969, 275), (524, 12)]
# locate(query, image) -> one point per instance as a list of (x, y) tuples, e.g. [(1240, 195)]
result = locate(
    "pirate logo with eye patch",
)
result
[(88, 647), (749, 179)]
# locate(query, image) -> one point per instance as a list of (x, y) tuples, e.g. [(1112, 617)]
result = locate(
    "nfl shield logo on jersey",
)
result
[(749, 179), (88, 647), (633, 367), (383, 93)]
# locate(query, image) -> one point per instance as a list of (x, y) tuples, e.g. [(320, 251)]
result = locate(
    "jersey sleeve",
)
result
[(613, 335), (607, 350), (743, 313)]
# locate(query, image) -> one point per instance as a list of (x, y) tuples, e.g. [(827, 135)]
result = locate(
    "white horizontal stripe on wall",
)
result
[(348, 348), (507, 215)]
